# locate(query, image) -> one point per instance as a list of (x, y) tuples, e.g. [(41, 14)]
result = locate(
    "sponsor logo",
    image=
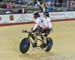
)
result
[(11, 17)]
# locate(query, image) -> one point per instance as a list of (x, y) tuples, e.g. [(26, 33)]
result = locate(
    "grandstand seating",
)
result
[(53, 5)]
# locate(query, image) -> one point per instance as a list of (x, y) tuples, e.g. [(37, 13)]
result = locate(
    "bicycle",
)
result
[(25, 43)]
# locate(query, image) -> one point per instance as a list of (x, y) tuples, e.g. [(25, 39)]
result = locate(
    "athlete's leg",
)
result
[(46, 31)]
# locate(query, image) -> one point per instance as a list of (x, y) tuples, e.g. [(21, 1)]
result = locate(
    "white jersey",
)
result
[(38, 22), (47, 22)]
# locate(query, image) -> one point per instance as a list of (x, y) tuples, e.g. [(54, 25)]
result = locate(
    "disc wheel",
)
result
[(24, 45), (49, 44)]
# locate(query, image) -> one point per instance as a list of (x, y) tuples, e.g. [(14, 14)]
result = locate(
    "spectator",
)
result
[(71, 4), (9, 6), (44, 6)]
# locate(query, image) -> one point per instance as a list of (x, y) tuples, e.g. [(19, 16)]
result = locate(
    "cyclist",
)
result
[(37, 27), (47, 27)]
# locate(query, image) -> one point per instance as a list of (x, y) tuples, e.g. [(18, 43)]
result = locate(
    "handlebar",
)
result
[(25, 31), (39, 34)]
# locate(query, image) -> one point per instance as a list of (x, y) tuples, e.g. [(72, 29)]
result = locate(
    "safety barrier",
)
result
[(27, 18)]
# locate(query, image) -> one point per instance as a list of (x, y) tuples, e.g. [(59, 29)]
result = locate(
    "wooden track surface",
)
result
[(63, 39)]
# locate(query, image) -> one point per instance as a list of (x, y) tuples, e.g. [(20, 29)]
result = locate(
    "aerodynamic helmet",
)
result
[(46, 14), (36, 14)]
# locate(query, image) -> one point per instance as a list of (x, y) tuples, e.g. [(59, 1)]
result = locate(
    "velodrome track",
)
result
[(63, 47)]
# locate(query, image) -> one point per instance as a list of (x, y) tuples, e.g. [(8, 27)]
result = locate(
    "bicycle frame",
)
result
[(29, 35)]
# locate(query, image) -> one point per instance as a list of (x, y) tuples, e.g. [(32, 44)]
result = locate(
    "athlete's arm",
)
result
[(35, 27)]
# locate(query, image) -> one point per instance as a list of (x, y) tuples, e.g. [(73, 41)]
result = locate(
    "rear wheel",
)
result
[(24, 45), (49, 44)]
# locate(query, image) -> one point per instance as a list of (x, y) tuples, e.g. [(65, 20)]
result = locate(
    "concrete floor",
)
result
[(63, 39)]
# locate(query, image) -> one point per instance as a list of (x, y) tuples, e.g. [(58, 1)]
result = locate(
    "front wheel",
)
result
[(24, 45), (49, 44)]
